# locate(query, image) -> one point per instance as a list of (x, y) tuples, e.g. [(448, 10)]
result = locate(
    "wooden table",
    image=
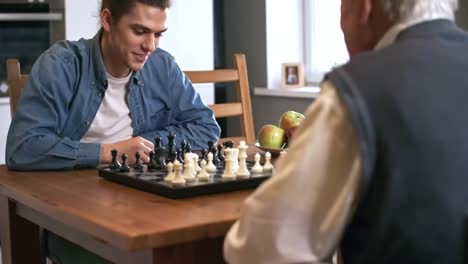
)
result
[(121, 224)]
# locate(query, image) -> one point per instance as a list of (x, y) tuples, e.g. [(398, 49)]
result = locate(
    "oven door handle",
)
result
[(31, 16)]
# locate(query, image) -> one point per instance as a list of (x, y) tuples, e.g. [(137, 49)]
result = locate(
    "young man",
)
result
[(378, 167), (115, 91)]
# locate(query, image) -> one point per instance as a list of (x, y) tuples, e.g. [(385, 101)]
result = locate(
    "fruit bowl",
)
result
[(273, 151)]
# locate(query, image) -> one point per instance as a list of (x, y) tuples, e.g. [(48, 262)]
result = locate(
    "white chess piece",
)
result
[(242, 172), (203, 174), (210, 167), (268, 167), (235, 158), (170, 172), (195, 162), (228, 173), (188, 168), (257, 168), (178, 179)]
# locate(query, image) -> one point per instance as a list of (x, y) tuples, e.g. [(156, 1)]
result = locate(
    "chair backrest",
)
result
[(241, 108), (16, 82)]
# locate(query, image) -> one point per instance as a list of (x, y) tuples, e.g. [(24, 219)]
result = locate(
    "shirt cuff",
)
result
[(88, 155)]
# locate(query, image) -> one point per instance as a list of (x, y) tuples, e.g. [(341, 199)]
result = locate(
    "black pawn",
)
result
[(228, 144), (138, 166), (115, 164), (220, 153), (124, 167)]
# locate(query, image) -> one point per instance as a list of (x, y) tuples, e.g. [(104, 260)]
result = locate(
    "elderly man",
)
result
[(378, 167)]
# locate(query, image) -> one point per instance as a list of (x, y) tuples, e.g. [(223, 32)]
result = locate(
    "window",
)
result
[(324, 41)]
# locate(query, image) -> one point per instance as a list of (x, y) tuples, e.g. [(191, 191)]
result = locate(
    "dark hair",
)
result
[(118, 8)]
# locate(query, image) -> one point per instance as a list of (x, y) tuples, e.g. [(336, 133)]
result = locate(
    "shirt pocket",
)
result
[(161, 119)]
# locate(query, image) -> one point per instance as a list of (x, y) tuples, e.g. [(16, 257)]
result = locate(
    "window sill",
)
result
[(303, 92)]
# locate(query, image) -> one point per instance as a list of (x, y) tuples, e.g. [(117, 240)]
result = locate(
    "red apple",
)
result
[(271, 136), (290, 119)]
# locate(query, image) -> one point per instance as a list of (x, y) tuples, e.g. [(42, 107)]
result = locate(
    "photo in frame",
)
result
[(292, 75)]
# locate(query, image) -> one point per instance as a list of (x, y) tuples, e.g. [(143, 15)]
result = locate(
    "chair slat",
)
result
[(227, 109)]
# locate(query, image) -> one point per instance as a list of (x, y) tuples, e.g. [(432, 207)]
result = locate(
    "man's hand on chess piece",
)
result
[(130, 147)]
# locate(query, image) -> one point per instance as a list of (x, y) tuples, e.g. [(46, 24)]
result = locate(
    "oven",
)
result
[(28, 28)]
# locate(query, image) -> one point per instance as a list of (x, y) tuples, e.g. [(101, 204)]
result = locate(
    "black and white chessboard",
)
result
[(153, 181)]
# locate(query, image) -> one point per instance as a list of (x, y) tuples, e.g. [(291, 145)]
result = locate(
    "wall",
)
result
[(246, 32)]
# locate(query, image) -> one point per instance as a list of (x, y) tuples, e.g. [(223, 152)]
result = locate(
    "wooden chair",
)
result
[(16, 82), (241, 108)]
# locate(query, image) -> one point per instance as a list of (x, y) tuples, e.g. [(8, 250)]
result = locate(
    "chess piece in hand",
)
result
[(130, 146)]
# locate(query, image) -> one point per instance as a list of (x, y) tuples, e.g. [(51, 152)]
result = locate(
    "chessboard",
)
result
[(153, 181)]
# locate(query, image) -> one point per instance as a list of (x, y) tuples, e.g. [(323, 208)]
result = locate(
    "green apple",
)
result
[(290, 120), (271, 136)]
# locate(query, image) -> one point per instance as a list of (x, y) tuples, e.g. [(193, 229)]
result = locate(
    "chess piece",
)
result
[(257, 168), (228, 173), (170, 147), (216, 161), (188, 148), (210, 167), (178, 179), (268, 167), (138, 167), (124, 167), (115, 164), (151, 163), (203, 154), (220, 153), (195, 162), (183, 143), (228, 144), (170, 172), (203, 174), (188, 168), (179, 155), (242, 172)]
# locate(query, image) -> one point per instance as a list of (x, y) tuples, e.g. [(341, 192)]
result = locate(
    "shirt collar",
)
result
[(390, 36)]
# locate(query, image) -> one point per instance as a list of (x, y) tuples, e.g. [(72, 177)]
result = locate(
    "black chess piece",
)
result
[(157, 142), (124, 167), (203, 154), (159, 158), (170, 146), (216, 160), (210, 145), (220, 153), (173, 156), (179, 155), (183, 143), (188, 148), (138, 166), (228, 144), (151, 163), (115, 164)]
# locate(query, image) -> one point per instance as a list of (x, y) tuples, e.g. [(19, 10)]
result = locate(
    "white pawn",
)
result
[(257, 168), (178, 179), (268, 167), (195, 162), (203, 174), (242, 172), (188, 168), (170, 172), (210, 167)]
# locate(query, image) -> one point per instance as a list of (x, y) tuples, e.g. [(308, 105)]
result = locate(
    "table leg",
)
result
[(19, 237)]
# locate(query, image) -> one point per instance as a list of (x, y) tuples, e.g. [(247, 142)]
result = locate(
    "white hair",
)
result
[(401, 10)]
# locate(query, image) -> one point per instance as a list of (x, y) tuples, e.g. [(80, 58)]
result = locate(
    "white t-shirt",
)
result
[(112, 122)]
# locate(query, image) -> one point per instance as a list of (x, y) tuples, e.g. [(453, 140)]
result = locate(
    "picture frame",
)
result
[(292, 75)]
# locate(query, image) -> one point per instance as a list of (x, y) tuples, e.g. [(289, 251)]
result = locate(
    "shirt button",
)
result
[(86, 123), (140, 83), (99, 94)]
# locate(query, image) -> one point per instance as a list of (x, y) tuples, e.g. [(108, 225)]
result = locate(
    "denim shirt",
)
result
[(65, 89)]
